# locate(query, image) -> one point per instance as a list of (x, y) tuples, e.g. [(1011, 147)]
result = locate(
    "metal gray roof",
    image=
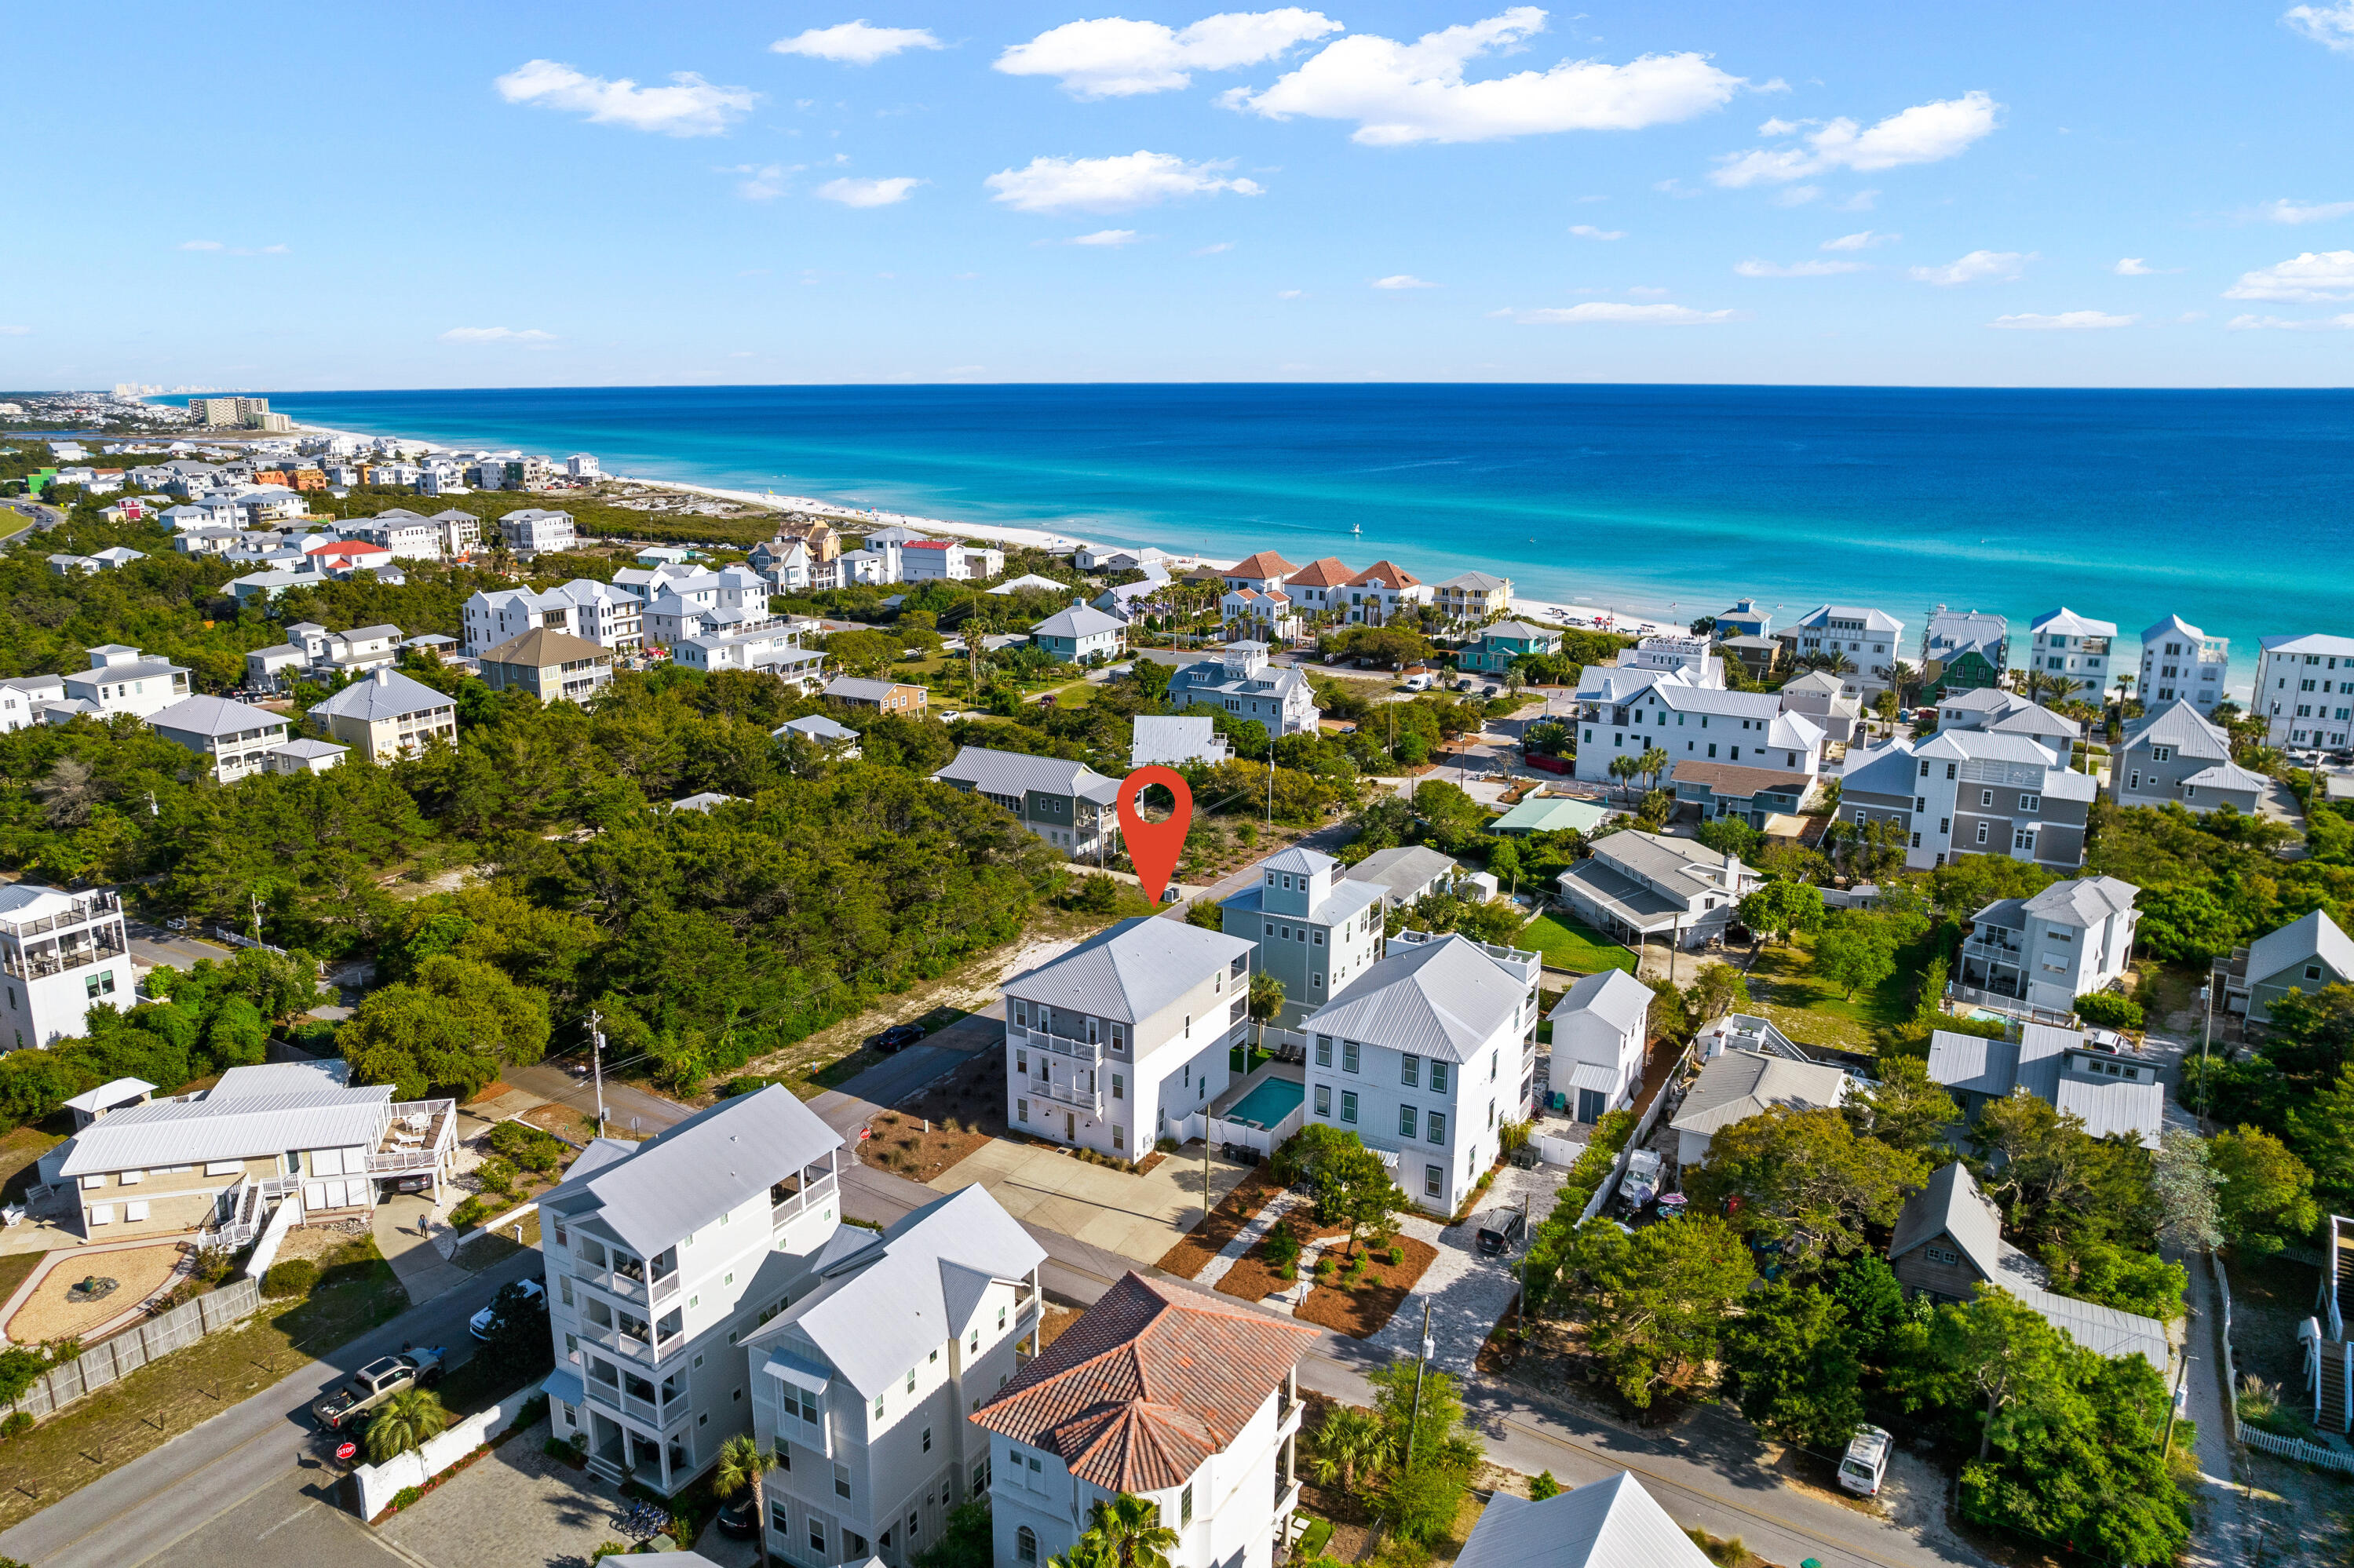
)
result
[(898, 1297), (385, 695), (2181, 727), (2112, 1107), (2310, 937), (1299, 861), (1131, 970), (1446, 999), (855, 687), (1951, 1204), (1741, 1083), (280, 1077), (1405, 867), (1015, 773), (1616, 997), (2082, 901), (1889, 770), (1079, 620), (212, 716), (1979, 745), (248, 1127), (688, 1175), (1612, 1523), (817, 727)]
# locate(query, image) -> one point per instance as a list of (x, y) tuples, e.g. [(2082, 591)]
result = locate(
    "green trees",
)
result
[(1779, 908), (1907, 1108), (450, 1028), (1129, 1530), (743, 1464), (1350, 1183), (1805, 1179), (1656, 1302), (967, 1540), (1730, 835), (405, 1421), (1791, 1365), (1853, 954), (2266, 1201), (1430, 1455), (2109, 1010), (1350, 1439)]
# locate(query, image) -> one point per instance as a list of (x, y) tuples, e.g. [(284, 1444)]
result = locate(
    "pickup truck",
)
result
[(376, 1383)]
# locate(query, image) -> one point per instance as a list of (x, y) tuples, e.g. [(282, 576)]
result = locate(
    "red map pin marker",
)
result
[(1155, 846)]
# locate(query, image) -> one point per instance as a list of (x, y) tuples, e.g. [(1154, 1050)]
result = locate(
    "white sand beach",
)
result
[(1040, 538)]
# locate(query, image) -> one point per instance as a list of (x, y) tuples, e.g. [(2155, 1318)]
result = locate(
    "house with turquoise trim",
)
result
[(1497, 645)]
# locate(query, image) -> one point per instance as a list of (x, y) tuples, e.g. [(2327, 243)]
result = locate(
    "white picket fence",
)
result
[(2298, 1450)]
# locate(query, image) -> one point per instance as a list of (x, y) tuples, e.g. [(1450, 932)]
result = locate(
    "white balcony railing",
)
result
[(1088, 1051)]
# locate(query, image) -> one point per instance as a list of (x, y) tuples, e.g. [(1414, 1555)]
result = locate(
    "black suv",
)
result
[(896, 1037)]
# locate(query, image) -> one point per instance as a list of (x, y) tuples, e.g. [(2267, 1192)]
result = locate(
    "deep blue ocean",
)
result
[(2232, 508)]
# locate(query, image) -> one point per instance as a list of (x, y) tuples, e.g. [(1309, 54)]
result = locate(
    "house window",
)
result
[(2313, 971), (1409, 1070), (1323, 1050), (1186, 1505), (1119, 1136), (1405, 1121), (1944, 1255), (842, 1477), (1982, 833), (1985, 797), (1438, 1077), (2030, 802), (1433, 1178), (1438, 1126), (1349, 1104), (1118, 1087), (1020, 1111), (1324, 1099), (817, 1538), (1026, 1544), (1348, 1055)]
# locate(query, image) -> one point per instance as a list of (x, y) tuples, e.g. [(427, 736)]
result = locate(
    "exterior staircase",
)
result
[(2331, 1404)]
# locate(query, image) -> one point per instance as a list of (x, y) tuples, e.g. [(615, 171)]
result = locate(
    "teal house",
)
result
[(1496, 646)]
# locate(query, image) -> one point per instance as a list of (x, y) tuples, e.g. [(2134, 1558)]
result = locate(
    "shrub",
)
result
[(473, 1212), (18, 1421), (748, 1084), (496, 1175), (2109, 1010), (1394, 1255), (556, 1448), (405, 1496), (526, 1146), (295, 1277), (1542, 1486)]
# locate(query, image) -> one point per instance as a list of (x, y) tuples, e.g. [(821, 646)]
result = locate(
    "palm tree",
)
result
[(1131, 1527), (405, 1421), (1624, 768), (742, 1463), (1348, 1437), (1652, 764)]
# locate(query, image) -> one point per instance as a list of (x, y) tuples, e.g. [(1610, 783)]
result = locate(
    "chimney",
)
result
[(1732, 871), (384, 678)]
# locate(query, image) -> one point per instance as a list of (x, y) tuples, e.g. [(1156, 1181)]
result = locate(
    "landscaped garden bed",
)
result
[(1188, 1257), (917, 1147), (1360, 1303)]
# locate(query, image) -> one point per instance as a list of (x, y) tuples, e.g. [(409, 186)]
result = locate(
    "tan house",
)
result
[(889, 696), (214, 1161), (388, 715), (554, 666)]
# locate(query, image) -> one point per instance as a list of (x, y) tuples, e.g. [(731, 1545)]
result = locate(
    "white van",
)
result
[(1866, 1464)]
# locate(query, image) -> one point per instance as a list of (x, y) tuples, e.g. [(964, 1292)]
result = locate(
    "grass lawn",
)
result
[(357, 1291), (1570, 943), (21, 1147), (1812, 1010)]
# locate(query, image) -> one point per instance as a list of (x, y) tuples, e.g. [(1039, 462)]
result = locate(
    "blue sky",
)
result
[(436, 195)]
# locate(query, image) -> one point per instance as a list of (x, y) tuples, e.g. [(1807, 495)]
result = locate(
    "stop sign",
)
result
[(346, 1450)]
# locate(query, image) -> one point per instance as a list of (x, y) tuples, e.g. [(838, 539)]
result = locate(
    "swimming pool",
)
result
[(1267, 1103)]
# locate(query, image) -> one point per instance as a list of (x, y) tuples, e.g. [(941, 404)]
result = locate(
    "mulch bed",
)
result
[(1225, 1222), (1361, 1310), (902, 1144)]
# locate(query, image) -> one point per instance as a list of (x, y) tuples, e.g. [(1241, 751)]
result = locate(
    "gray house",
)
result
[(1998, 712), (1406, 873), (1073, 636), (2113, 1092), (1068, 804), (2304, 955), (2177, 755), (1312, 932), (1242, 681)]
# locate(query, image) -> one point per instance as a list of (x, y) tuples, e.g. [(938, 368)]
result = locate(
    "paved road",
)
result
[(237, 1475), (627, 1108), (152, 945)]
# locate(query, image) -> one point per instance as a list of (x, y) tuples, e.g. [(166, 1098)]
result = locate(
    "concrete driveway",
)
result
[(1138, 1217), (405, 1227)]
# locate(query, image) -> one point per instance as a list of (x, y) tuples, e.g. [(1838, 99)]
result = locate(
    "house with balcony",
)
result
[(1377, 594), (234, 739), (1264, 615), (1972, 792), (1262, 571), (777, 652), (214, 1162), (1601, 1035), (2175, 755), (2304, 955), (1186, 1399), (388, 715), (1425, 1055), (2178, 662), (61, 953), (1309, 928), (1735, 1084), (1963, 649), (119, 680), (1240, 680), (662, 1259), (534, 531), (862, 1383), (2112, 1091), (554, 666), (1080, 633), (1670, 698), (1492, 650), (1068, 804), (1125, 1034), (1997, 712), (2072, 938), (2075, 648), (406, 534), (1867, 639), (1636, 886), (1821, 696), (1319, 588), (1472, 597), (2305, 689)]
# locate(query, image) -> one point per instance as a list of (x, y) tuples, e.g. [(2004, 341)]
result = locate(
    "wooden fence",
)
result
[(110, 1361)]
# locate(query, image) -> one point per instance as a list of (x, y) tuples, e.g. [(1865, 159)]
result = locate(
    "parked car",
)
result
[(421, 1182), (478, 1325), (896, 1037), (738, 1521), (1501, 1230), (1866, 1464), (376, 1383)]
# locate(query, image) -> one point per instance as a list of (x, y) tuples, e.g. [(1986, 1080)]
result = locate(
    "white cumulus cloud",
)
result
[(1290, 293), (1111, 57), (1110, 184), (761, 182), (1978, 267), (496, 334), (1925, 133), (2286, 211), (690, 106), (1400, 93), (1402, 280), (1615, 311), (2133, 267), (1110, 237), (2302, 280), (2066, 321), (2331, 27), (868, 193), (2282, 323), (1866, 241), (200, 245), (1587, 231), (1755, 268), (855, 43)]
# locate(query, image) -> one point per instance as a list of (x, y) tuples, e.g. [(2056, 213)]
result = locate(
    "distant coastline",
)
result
[(1657, 502)]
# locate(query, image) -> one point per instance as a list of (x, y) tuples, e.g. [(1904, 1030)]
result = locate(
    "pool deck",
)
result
[(1225, 1104)]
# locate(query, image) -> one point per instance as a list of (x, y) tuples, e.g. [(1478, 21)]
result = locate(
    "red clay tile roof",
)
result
[(1389, 572), (1264, 565), (1326, 573), (1151, 1382)]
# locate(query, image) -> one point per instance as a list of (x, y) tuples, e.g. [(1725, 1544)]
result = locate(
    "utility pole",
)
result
[(597, 1066), (255, 901), (2207, 1001), (1415, 1421), (2173, 1405)]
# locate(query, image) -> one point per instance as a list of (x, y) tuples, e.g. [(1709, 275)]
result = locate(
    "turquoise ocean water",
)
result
[(2235, 509)]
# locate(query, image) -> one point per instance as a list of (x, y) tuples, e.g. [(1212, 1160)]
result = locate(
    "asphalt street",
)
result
[(247, 1471)]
